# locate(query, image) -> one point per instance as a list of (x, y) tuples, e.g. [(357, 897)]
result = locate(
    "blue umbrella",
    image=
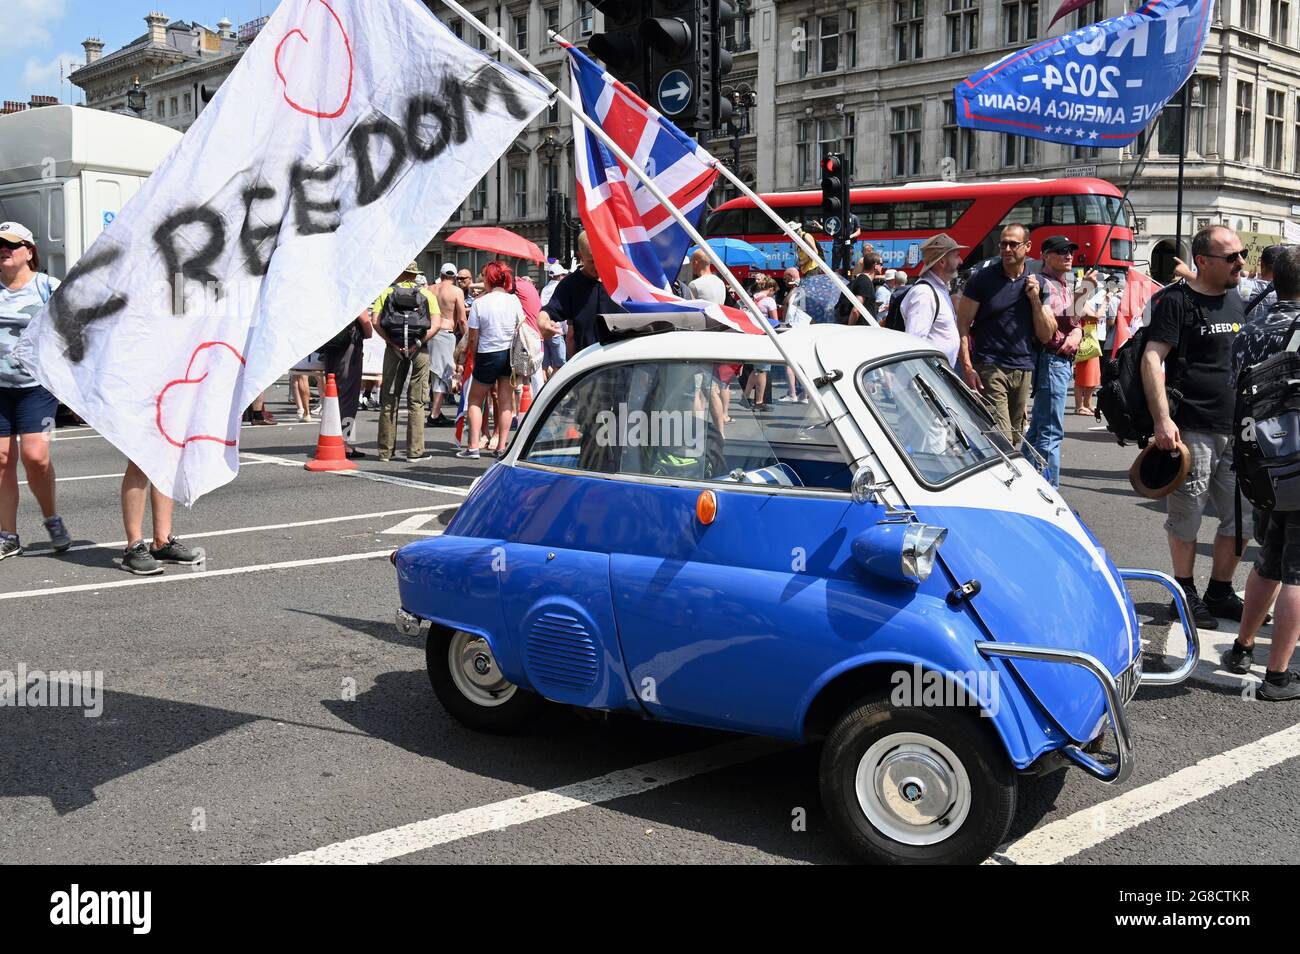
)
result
[(736, 252)]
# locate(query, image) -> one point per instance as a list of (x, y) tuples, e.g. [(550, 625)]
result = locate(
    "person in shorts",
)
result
[(1275, 578), (1208, 309), (26, 409), (493, 320), (442, 346)]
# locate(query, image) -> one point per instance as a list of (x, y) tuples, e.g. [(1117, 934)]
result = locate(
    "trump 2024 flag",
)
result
[(343, 140), (1098, 86)]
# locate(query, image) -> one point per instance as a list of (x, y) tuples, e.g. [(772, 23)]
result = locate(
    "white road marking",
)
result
[(59, 439), (116, 544), (204, 575), (415, 525), (1063, 839), (365, 475), (118, 474), (418, 836)]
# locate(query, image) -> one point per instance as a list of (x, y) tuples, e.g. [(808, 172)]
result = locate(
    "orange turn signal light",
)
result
[(706, 507)]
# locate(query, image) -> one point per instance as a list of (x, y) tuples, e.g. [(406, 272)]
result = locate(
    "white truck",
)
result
[(67, 171)]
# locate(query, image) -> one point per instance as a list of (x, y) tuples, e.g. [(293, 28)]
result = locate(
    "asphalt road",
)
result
[(265, 707)]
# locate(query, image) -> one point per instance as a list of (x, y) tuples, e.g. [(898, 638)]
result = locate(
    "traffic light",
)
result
[(836, 210), (622, 47), (715, 60), (672, 32)]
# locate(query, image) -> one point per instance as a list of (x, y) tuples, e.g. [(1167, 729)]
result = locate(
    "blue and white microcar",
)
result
[(894, 579)]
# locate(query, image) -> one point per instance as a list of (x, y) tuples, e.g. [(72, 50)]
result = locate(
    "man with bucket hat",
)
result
[(926, 306)]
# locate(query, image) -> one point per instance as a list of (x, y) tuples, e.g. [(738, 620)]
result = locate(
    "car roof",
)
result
[(855, 345)]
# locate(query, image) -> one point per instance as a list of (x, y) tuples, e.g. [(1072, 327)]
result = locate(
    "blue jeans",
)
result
[(1052, 376)]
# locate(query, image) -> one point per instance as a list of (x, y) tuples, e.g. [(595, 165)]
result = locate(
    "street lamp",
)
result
[(136, 97), (555, 217)]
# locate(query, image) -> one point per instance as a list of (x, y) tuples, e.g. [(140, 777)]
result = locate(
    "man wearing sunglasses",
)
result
[(1208, 309)]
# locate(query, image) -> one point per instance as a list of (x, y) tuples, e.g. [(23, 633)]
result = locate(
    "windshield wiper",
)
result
[(932, 398)]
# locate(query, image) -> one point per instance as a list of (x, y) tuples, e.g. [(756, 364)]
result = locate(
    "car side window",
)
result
[(685, 420)]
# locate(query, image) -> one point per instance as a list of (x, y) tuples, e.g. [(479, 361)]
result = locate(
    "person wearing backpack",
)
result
[(406, 316), (1276, 573), (26, 409), (925, 309), (1199, 321)]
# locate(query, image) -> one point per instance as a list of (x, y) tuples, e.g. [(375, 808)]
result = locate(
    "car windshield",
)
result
[(932, 417)]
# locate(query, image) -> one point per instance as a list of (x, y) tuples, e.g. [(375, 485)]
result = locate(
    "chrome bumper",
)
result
[(1117, 692), (408, 624)]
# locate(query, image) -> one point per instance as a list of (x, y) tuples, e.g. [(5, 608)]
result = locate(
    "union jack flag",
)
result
[(637, 245)]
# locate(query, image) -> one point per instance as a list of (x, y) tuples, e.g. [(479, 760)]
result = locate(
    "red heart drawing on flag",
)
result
[(188, 380), (347, 45)]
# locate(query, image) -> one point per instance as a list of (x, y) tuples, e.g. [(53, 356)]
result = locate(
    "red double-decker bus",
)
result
[(897, 220)]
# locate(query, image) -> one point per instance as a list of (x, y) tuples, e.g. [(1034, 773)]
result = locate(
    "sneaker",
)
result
[(788, 399), (139, 561), (1228, 607), (176, 552), (1201, 614), (414, 458), (1286, 689), (58, 533), (1238, 658), (9, 546), (468, 453)]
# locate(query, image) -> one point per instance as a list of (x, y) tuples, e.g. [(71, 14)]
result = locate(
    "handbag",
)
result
[(1089, 347)]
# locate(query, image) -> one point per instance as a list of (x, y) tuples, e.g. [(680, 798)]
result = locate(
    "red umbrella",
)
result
[(502, 241)]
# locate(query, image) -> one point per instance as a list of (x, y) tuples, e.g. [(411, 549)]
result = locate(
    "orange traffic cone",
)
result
[(331, 453)]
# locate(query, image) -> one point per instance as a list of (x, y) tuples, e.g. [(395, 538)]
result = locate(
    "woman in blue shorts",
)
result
[(493, 320), (26, 409)]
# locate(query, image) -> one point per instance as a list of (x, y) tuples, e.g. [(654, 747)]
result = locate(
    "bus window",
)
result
[(727, 222), (1063, 212), (872, 218), (1031, 213)]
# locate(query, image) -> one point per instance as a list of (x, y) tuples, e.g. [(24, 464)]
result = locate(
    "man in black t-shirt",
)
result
[(863, 286), (578, 299), (1209, 310)]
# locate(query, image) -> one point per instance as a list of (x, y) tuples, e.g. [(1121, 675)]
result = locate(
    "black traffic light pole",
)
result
[(837, 211)]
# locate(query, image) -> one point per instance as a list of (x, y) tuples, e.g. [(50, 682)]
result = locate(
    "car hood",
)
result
[(1044, 583)]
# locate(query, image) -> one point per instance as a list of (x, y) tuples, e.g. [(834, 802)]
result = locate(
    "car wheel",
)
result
[(912, 785), (469, 684)]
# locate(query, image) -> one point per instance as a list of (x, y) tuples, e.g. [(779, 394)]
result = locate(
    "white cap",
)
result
[(891, 275), (13, 232), (447, 269), (555, 270)]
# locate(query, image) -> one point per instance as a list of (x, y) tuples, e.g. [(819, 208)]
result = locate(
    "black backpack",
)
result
[(1266, 449), (405, 316), (894, 317), (1122, 400)]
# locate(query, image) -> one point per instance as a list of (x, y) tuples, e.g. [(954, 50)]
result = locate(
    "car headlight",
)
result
[(901, 552)]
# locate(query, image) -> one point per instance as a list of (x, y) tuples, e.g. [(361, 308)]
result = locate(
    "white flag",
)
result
[(343, 140)]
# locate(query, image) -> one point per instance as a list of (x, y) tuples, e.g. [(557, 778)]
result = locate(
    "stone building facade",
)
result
[(875, 79)]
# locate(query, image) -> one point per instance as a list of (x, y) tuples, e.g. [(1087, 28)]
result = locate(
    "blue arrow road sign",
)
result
[(674, 92)]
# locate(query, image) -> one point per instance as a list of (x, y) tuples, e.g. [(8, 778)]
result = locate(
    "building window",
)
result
[(585, 26), (478, 200), (909, 30), (553, 19), (850, 147), (1017, 151), (1020, 21), (1084, 152), (175, 111), (905, 140), (521, 32), (1089, 14), (736, 39), (851, 39), (519, 191), (963, 25), (458, 28), (1245, 120), (553, 113), (480, 38), (1274, 117), (1295, 155), (803, 150), (1279, 21), (801, 50), (828, 44), (958, 142), (1250, 15), (188, 103), (828, 137)]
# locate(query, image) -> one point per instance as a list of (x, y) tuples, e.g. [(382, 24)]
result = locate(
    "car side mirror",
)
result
[(864, 487)]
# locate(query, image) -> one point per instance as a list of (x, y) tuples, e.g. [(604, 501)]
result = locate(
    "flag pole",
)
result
[(715, 260), (809, 250)]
